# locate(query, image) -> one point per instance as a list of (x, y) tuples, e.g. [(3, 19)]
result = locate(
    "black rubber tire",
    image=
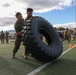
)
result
[(35, 46)]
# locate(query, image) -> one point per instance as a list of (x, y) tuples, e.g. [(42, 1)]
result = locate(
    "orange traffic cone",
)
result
[(70, 46)]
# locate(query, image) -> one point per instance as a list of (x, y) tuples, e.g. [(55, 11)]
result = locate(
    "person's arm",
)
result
[(18, 32)]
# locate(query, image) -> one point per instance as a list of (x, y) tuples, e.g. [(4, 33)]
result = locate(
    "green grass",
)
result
[(66, 44), (65, 65), (17, 66)]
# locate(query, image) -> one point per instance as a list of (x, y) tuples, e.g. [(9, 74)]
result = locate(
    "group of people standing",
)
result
[(4, 36), (68, 35)]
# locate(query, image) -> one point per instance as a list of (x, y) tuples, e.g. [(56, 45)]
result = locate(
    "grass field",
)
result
[(65, 65)]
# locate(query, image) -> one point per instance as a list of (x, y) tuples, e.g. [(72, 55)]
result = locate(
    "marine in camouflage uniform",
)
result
[(67, 35), (29, 15), (18, 28), (74, 34), (2, 37), (7, 37)]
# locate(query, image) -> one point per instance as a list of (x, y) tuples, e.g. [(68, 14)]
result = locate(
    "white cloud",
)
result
[(67, 2), (66, 25), (46, 5), (10, 7), (10, 27), (6, 21)]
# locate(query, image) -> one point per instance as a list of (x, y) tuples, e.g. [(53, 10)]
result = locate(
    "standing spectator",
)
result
[(2, 37), (74, 34), (67, 35), (7, 37)]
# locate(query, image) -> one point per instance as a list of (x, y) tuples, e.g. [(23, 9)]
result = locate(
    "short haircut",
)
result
[(17, 14), (29, 9)]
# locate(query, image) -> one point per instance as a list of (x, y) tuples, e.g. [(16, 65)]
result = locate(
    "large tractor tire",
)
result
[(34, 45)]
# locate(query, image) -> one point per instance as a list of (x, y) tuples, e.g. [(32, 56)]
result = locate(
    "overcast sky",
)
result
[(57, 12)]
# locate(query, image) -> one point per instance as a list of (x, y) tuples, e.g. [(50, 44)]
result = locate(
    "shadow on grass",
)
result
[(17, 66), (30, 61)]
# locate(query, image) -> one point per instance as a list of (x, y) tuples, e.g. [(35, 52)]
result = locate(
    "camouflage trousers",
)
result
[(17, 44)]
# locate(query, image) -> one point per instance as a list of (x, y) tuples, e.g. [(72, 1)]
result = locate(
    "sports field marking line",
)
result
[(46, 64)]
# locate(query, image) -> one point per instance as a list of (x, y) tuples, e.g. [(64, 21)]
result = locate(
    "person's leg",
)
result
[(7, 40), (14, 51), (3, 40), (16, 47), (73, 37), (68, 39), (25, 53)]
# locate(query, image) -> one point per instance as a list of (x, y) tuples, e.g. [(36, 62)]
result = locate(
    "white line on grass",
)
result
[(46, 64)]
